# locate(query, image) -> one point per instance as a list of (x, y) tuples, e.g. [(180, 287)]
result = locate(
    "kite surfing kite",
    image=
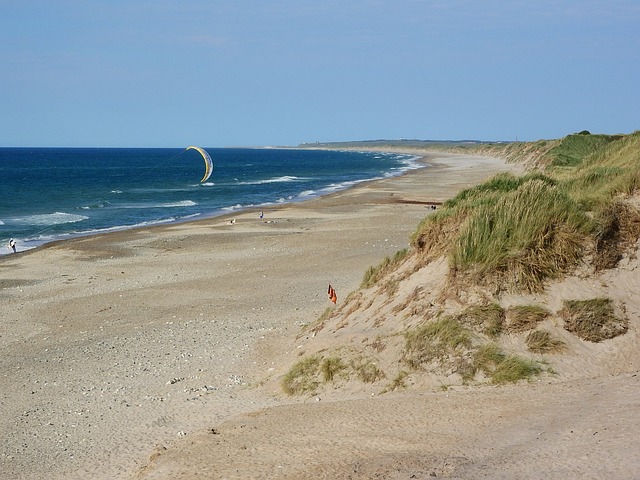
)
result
[(332, 294), (208, 163)]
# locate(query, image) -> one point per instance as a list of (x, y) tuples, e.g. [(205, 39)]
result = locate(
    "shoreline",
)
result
[(231, 211), (117, 344)]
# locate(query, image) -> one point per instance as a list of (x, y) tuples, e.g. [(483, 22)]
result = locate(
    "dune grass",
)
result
[(574, 149), (302, 376), (489, 317), (375, 273), (434, 339), (521, 318), (502, 368), (530, 234), (593, 320), (539, 341), (514, 233)]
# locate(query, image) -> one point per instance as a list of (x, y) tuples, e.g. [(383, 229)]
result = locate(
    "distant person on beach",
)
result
[(12, 245), (261, 215)]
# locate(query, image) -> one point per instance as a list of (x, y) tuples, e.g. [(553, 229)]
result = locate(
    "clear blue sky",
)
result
[(171, 73)]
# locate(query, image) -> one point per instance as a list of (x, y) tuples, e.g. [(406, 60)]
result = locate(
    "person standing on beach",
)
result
[(12, 245)]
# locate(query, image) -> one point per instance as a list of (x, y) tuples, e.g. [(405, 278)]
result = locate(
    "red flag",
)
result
[(332, 294)]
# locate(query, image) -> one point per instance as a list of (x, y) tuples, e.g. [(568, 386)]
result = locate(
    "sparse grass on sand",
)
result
[(312, 372), (502, 368), (374, 274), (301, 377), (434, 339), (489, 317)]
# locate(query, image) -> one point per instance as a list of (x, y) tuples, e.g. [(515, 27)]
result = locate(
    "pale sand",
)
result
[(121, 353)]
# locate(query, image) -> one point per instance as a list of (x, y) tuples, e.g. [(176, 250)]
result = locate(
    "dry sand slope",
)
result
[(121, 353)]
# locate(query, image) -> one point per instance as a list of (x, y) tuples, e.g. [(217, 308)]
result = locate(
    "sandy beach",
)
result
[(155, 353)]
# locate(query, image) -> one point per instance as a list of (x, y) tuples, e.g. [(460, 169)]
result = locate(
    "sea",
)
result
[(49, 194)]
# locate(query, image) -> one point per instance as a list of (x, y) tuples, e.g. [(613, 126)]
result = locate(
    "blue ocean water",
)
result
[(48, 194)]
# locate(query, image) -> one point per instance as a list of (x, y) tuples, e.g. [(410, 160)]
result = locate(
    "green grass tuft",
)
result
[(302, 377), (528, 235), (513, 369), (502, 368), (434, 339), (368, 371)]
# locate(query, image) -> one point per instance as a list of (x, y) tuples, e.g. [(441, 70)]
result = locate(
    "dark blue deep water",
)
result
[(55, 193)]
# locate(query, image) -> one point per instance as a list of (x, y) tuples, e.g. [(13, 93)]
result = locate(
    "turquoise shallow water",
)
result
[(48, 194)]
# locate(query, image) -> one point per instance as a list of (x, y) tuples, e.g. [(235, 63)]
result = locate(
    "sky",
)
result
[(214, 73)]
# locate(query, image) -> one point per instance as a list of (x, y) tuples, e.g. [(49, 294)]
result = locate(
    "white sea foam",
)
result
[(181, 203), (285, 178), (232, 207), (46, 219)]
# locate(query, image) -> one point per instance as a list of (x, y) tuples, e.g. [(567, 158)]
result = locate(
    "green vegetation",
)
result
[(502, 368), (513, 369), (301, 378), (310, 373), (521, 318), (367, 371), (330, 367), (435, 339), (593, 320), (530, 234), (540, 341), (575, 148), (374, 274), (514, 233), (489, 317)]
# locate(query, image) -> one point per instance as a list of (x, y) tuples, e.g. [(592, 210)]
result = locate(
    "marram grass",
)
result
[(530, 234)]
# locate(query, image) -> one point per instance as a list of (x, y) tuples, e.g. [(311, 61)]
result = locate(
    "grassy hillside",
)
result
[(438, 310), (516, 233)]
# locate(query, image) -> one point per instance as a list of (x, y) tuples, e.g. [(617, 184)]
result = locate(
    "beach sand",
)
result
[(154, 353)]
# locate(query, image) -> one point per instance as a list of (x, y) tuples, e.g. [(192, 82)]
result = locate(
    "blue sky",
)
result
[(258, 72)]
